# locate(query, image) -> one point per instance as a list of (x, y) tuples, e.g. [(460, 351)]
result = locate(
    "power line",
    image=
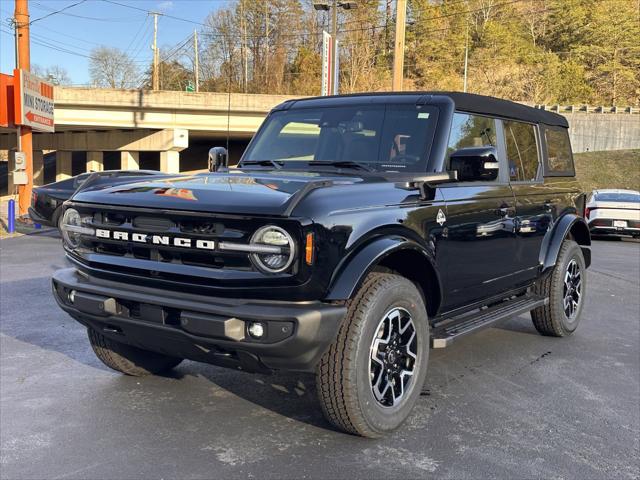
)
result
[(99, 19), (143, 40), (148, 11), (142, 25), (50, 46), (57, 11), (69, 36)]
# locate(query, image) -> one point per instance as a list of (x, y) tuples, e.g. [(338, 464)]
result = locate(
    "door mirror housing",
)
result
[(475, 163), (218, 159)]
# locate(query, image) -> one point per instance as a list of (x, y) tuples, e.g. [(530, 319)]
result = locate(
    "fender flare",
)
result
[(350, 274), (553, 239)]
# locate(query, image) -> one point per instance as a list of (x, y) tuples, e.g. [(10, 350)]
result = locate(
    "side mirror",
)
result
[(475, 163), (218, 159)]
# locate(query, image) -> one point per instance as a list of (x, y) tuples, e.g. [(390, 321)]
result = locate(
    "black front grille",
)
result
[(231, 229), (154, 224)]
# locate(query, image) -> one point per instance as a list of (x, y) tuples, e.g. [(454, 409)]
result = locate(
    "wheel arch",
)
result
[(390, 253), (568, 226)]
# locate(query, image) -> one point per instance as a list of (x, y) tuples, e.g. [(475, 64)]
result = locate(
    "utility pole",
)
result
[(466, 57), (266, 43), (197, 62), (245, 59), (334, 47), (156, 77), (25, 136), (398, 52)]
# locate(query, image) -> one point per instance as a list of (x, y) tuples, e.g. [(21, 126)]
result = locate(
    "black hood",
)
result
[(255, 193)]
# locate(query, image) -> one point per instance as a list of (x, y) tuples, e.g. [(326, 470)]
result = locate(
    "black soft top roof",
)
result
[(465, 102)]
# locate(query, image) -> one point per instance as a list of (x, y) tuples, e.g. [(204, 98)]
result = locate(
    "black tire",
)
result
[(128, 359), (57, 219), (344, 374), (556, 319)]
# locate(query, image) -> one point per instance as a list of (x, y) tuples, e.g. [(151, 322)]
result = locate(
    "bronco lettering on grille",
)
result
[(155, 239)]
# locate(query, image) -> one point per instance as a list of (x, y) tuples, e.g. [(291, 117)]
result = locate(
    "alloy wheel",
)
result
[(572, 289), (393, 357)]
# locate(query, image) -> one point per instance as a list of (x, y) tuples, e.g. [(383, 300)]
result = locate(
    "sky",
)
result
[(67, 38)]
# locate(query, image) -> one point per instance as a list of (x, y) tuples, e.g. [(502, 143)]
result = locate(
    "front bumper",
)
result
[(37, 218), (201, 328)]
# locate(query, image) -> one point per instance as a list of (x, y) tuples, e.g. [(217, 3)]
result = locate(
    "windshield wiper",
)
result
[(274, 163), (343, 164)]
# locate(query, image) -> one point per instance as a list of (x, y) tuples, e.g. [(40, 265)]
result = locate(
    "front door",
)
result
[(478, 243)]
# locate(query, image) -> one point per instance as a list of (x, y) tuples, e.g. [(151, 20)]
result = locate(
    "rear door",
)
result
[(478, 242), (536, 203)]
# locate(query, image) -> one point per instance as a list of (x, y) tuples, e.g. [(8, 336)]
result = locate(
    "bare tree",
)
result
[(112, 68), (55, 74)]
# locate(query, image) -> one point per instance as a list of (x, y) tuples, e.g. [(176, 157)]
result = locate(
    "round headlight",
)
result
[(279, 251), (70, 227)]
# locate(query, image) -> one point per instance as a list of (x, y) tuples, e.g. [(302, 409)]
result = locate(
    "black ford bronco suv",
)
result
[(356, 233)]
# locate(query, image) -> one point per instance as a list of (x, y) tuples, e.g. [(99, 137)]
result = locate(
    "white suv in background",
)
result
[(614, 212)]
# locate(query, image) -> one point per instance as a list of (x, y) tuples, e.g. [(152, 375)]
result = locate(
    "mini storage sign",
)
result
[(33, 101)]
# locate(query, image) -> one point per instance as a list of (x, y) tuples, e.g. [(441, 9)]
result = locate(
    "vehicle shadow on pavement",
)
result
[(288, 394), (31, 315)]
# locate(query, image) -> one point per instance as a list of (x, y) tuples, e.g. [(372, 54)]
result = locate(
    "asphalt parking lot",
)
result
[(505, 403)]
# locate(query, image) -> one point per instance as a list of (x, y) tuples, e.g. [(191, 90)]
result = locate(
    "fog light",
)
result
[(72, 296), (256, 329)]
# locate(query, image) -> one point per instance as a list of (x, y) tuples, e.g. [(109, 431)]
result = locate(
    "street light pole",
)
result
[(334, 46), (333, 6)]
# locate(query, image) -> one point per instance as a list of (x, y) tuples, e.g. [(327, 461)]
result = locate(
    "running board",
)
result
[(472, 322)]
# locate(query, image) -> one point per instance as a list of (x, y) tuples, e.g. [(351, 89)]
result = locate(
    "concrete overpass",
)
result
[(143, 129), (100, 129)]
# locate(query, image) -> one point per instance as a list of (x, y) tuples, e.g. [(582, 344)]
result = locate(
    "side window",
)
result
[(559, 156), (522, 151), (471, 131)]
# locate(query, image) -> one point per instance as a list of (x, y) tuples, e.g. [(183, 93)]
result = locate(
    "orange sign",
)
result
[(7, 119), (33, 101)]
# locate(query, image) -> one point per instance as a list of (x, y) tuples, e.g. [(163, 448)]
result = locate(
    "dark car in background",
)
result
[(47, 200)]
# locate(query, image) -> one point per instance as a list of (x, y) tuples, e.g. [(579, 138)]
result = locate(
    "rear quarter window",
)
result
[(559, 161)]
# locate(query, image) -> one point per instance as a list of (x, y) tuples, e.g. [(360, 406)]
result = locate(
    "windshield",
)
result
[(375, 137), (618, 197)]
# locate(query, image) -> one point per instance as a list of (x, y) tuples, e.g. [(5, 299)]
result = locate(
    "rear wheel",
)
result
[(565, 288), (128, 359), (371, 376)]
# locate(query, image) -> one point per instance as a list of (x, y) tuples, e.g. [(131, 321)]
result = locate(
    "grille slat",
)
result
[(195, 228)]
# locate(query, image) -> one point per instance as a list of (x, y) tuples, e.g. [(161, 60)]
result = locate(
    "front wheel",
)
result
[(371, 376), (565, 287)]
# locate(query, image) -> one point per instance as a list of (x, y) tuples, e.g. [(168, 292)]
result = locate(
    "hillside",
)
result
[(616, 169)]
